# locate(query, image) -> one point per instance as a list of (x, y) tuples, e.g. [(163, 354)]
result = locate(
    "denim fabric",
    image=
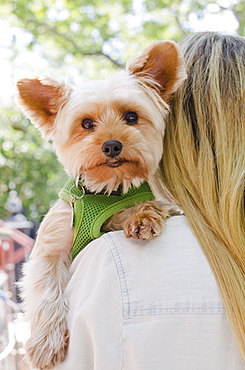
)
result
[(155, 305)]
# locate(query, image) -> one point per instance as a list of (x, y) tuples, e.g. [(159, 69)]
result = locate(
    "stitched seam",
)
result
[(176, 311), (121, 274), (123, 284)]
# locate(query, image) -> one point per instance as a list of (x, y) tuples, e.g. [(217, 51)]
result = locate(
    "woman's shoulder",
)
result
[(162, 290), (167, 272)]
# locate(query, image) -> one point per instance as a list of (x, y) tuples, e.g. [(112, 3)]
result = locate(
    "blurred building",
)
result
[(15, 240), (15, 247)]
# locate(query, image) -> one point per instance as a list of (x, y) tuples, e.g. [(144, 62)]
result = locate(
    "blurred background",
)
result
[(72, 40)]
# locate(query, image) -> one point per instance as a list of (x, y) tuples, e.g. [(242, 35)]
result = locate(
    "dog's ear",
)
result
[(40, 99), (160, 63)]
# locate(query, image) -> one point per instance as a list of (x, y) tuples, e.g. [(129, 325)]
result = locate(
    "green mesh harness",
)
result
[(92, 210)]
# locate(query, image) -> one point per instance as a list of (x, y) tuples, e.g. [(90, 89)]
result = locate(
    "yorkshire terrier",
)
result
[(109, 135)]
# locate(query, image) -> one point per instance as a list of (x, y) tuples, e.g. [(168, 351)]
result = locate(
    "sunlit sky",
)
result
[(27, 62)]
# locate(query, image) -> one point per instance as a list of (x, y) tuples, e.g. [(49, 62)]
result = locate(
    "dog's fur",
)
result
[(145, 87)]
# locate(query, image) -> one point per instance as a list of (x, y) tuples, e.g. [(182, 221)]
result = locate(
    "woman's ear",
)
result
[(161, 63)]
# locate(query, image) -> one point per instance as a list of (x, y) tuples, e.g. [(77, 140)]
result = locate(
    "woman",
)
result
[(204, 161), (155, 305)]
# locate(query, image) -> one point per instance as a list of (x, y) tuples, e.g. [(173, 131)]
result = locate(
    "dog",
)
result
[(107, 134)]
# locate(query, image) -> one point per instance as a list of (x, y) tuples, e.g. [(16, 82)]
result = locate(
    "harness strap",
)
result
[(92, 210)]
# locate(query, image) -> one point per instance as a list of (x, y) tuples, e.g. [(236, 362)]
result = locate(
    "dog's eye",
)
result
[(87, 123), (131, 118)]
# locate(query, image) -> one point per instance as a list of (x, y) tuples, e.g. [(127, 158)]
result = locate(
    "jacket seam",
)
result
[(123, 284)]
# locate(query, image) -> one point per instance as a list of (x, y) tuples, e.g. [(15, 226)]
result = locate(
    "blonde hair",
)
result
[(203, 163)]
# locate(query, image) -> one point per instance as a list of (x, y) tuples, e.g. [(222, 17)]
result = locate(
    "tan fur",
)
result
[(58, 112), (142, 221), (41, 100)]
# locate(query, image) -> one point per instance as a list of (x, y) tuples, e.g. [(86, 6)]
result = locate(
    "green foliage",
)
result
[(239, 12), (88, 38), (28, 165)]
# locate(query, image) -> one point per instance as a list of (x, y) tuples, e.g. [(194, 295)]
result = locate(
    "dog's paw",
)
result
[(45, 351), (142, 228), (147, 223)]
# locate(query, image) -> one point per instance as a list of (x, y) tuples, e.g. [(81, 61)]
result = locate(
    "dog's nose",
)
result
[(112, 148)]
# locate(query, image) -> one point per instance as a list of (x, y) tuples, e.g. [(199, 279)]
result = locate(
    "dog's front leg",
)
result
[(42, 287), (145, 220)]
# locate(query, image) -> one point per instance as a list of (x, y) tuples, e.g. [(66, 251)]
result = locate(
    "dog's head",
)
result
[(110, 132)]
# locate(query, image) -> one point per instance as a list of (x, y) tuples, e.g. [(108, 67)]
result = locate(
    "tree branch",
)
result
[(176, 14), (75, 46), (100, 52)]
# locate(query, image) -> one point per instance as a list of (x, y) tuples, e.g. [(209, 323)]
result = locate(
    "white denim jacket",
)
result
[(155, 305)]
